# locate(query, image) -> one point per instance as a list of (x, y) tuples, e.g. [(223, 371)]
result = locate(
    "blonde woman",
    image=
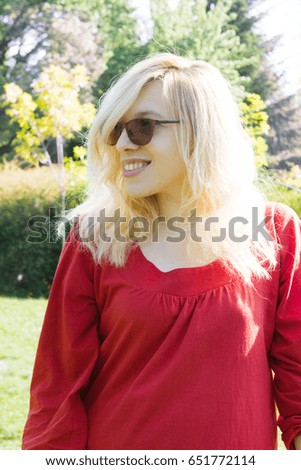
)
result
[(174, 319)]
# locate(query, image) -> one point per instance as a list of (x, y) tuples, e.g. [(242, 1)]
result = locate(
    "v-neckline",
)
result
[(184, 268), (179, 282)]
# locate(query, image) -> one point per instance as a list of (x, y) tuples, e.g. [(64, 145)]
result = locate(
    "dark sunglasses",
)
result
[(139, 131)]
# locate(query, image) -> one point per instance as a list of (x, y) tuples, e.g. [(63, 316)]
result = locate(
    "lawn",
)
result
[(20, 324)]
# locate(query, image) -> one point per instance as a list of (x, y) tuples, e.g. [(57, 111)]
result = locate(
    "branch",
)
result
[(21, 24), (23, 58), (48, 157)]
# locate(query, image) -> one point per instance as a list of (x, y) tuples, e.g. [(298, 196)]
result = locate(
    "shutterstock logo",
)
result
[(44, 228)]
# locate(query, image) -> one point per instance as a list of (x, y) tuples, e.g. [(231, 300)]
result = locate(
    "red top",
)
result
[(135, 358)]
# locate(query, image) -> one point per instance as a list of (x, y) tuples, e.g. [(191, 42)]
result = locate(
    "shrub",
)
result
[(29, 210), (255, 119)]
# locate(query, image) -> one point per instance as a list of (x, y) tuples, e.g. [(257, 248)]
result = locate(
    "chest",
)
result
[(166, 256)]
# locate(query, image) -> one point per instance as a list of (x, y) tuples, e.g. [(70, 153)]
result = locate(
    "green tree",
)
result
[(115, 25), (196, 31), (54, 111), (122, 45), (35, 34), (244, 20), (23, 36), (24, 29)]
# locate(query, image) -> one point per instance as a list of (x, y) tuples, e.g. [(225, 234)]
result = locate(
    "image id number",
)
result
[(221, 460)]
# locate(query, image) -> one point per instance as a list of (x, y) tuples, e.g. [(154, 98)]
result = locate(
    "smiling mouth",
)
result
[(135, 166)]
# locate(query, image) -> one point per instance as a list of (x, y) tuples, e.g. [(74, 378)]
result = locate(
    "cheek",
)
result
[(166, 153), (175, 162), (167, 162)]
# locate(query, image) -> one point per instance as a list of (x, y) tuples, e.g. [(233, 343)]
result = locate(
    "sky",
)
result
[(282, 17)]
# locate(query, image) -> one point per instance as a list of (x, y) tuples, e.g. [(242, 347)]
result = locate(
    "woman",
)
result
[(174, 319)]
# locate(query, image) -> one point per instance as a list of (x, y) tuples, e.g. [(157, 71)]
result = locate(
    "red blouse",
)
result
[(135, 358)]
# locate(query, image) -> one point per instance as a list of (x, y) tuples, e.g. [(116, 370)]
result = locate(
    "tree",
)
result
[(196, 31), (99, 34), (122, 45), (35, 34), (76, 40), (284, 113), (284, 119), (24, 29), (244, 20), (23, 36), (54, 111)]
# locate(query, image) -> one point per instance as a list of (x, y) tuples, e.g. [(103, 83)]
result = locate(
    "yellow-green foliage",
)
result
[(79, 152), (255, 120), (54, 109)]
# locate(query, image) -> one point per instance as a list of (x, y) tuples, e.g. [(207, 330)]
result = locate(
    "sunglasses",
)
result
[(139, 131)]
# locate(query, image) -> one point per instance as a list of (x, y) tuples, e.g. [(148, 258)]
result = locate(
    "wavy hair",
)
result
[(219, 158)]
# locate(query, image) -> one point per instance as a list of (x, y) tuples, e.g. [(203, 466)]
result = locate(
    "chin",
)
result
[(139, 192)]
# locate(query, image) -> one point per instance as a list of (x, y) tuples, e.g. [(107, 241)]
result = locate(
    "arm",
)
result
[(66, 355), (286, 347)]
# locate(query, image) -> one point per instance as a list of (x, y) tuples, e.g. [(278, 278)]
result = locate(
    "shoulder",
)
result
[(282, 219), (285, 228), (280, 212), (76, 255)]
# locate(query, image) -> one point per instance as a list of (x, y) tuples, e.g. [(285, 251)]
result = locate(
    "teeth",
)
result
[(134, 166)]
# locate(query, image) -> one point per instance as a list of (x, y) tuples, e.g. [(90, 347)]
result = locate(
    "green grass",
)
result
[(20, 324), (271, 184)]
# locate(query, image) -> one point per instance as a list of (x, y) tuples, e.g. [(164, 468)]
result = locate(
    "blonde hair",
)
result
[(215, 148)]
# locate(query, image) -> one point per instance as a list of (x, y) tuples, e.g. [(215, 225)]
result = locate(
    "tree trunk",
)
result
[(60, 160), (61, 179)]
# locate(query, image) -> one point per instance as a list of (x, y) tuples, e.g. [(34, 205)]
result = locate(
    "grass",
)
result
[(272, 185), (20, 324)]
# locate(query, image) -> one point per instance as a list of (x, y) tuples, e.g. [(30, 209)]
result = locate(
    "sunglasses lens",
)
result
[(115, 134), (140, 131)]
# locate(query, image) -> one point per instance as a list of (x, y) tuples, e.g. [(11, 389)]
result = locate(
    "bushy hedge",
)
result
[(29, 212)]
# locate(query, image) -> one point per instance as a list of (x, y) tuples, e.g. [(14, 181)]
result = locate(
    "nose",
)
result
[(124, 142)]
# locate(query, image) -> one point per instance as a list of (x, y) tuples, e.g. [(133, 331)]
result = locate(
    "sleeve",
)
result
[(286, 346), (67, 353)]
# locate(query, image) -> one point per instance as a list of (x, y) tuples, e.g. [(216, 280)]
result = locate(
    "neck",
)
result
[(169, 206)]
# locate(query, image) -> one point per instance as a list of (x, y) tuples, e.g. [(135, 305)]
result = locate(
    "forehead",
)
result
[(149, 102)]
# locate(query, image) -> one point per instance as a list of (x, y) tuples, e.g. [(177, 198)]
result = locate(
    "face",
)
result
[(164, 173)]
